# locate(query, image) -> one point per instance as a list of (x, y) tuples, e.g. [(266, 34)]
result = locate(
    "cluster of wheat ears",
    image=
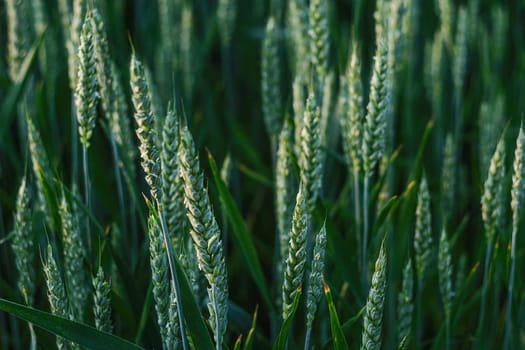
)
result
[(362, 249)]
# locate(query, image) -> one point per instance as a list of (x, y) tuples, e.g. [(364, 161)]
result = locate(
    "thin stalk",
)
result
[(508, 324), (74, 141), (218, 343), (357, 207), (447, 332), (118, 180), (307, 338), (419, 314), (33, 336), (86, 192), (365, 228), (228, 78), (174, 280), (488, 255)]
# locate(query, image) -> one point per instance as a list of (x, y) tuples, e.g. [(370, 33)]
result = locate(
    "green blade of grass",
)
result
[(282, 338), (240, 233), (249, 339), (256, 176), (238, 342), (337, 332), (196, 326), (11, 101), (81, 334), (416, 169)]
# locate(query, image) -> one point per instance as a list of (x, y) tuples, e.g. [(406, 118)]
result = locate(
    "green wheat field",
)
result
[(262, 174)]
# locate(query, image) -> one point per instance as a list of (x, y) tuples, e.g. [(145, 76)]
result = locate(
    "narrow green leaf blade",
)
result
[(196, 326), (238, 342), (337, 332), (249, 339), (282, 337), (15, 93), (85, 336), (240, 233)]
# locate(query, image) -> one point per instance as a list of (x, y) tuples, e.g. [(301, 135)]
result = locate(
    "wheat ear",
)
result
[(205, 234), (102, 302), (296, 259), (270, 81), (146, 132), (315, 282), (405, 306), (372, 324)]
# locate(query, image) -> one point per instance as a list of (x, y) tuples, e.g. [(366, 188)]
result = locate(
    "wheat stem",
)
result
[(86, 191), (364, 248)]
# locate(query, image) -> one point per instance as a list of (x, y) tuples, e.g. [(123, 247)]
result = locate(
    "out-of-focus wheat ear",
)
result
[(445, 280), (517, 193), (76, 279), (315, 281), (298, 27), (39, 17), (327, 111), (448, 176), (352, 117), (172, 183), (186, 43), (146, 132), (104, 70), (56, 292), (226, 17), (374, 138), (492, 211), (271, 81), (296, 258), (446, 13), (319, 35), (372, 324), (491, 120), (156, 104), (490, 206), (298, 98), (445, 273), (205, 234), (120, 124), (24, 243), (396, 38), (159, 277), (423, 232), (460, 51), (435, 56), (311, 155), (285, 185), (41, 168), (102, 302), (351, 120), (405, 306), (18, 36), (86, 92), (375, 122), (381, 17)]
